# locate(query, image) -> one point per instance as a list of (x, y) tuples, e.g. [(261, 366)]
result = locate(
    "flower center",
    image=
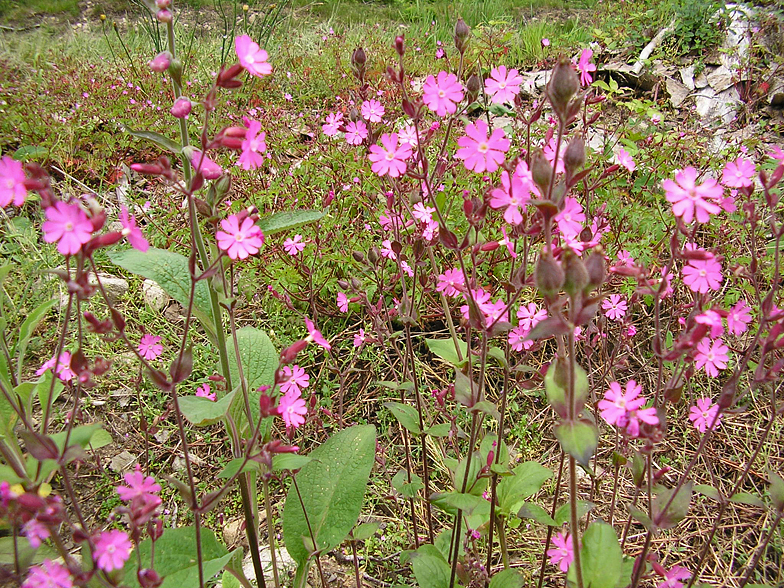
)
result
[(482, 147), (502, 85), (239, 237), (390, 156), (9, 183), (69, 226), (441, 94)]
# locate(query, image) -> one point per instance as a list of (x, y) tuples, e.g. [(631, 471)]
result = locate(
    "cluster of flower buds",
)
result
[(35, 513)]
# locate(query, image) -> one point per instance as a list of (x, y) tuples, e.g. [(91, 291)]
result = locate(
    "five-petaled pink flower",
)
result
[(342, 302), (423, 213), (451, 282), (701, 275), (513, 196), (479, 152), (530, 315), (623, 159), (150, 346), (294, 246), (68, 225), (359, 338), (251, 57), (356, 132), (252, 147), (36, 532), (617, 404), (704, 415), (738, 173), (12, 188), (315, 335), (689, 200), (112, 550), (294, 380), (391, 158), (713, 356), (571, 218), (372, 110), (49, 574), (586, 67), (61, 367), (442, 93), (561, 554), (738, 318), (140, 488), (333, 123), (503, 86), (292, 409), (712, 319), (673, 577), (239, 241), (204, 391), (614, 307), (132, 232)]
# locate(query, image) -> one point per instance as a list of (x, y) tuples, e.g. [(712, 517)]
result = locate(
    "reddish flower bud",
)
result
[(160, 62), (462, 33), (164, 16), (400, 45), (541, 170), (149, 578), (548, 275), (290, 353), (473, 86), (563, 85), (575, 274), (147, 168), (574, 156), (181, 108)]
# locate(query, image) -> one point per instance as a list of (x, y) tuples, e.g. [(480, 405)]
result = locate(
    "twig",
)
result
[(655, 42)]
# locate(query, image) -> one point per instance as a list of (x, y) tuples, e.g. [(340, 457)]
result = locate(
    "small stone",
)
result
[(701, 80), (687, 76), (720, 79), (154, 296), (122, 462), (677, 91), (115, 287)]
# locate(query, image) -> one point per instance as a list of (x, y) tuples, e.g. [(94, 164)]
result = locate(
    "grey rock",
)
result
[(115, 287), (122, 462), (719, 106), (701, 80), (776, 93), (687, 76), (154, 296), (720, 79), (678, 92)]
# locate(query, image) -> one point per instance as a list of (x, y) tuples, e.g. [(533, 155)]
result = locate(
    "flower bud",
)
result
[(462, 32), (473, 86), (358, 60), (541, 171), (563, 85), (181, 108), (164, 16), (208, 168), (575, 274), (160, 62), (595, 267), (162, 3), (400, 45), (149, 578), (373, 255), (574, 156), (548, 275), (358, 256)]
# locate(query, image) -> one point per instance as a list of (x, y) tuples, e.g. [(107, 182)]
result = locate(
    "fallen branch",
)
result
[(655, 42)]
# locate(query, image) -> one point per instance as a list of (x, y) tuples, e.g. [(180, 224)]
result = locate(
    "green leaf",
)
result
[(527, 480), (707, 490), (488, 408), (259, 358), (4, 271), (535, 512), (289, 461), (28, 152), (159, 140), (401, 484), (26, 331), (563, 513), (285, 221), (229, 581), (508, 578), (44, 385), (26, 555), (203, 412), (81, 435), (234, 466), (175, 558), (406, 415), (365, 531), (677, 510), (640, 516), (440, 430), (601, 557), (332, 487), (430, 567), (445, 349), (746, 498), (170, 271), (776, 490), (579, 439)]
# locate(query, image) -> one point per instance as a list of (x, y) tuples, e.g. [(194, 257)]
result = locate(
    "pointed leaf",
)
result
[(401, 484), (406, 415), (445, 349), (203, 412), (535, 512), (746, 498), (430, 568), (776, 490), (563, 513), (579, 439), (508, 578), (287, 220), (158, 139), (527, 480), (259, 358), (601, 557), (677, 510), (26, 331)]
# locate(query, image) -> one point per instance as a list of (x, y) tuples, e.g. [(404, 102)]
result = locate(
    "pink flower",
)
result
[(480, 153), (372, 110), (292, 409), (332, 126), (359, 338), (204, 391), (159, 63), (701, 275), (150, 347), (586, 67), (502, 86), (623, 158), (704, 414), (614, 307), (424, 214), (315, 335), (631, 331), (451, 282), (132, 232), (139, 488), (48, 575), (738, 318), (517, 338), (112, 550), (631, 423), (712, 319), (408, 135), (513, 196), (617, 405), (545, 42), (181, 107), (549, 155), (294, 246), (570, 220), (208, 168), (36, 532), (239, 241), (442, 93), (12, 188), (625, 258), (561, 554), (530, 315), (251, 57), (389, 159), (673, 576), (342, 302), (61, 367), (356, 132), (712, 356), (688, 199), (387, 251), (68, 225), (295, 379), (777, 154), (252, 147), (738, 173)]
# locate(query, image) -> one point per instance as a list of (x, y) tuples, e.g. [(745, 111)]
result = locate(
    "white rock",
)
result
[(677, 91), (115, 287), (687, 76), (701, 81), (720, 79), (154, 296)]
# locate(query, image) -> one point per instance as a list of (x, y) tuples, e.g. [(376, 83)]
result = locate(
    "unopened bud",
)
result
[(574, 156), (462, 32), (358, 256), (400, 45), (541, 171), (164, 16), (160, 62), (149, 578), (201, 163), (373, 255), (548, 275), (289, 354), (575, 274), (358, 60), (563, 85), (473, 86), (181, 108), (595, 267), (103, 17), (162, 3)]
